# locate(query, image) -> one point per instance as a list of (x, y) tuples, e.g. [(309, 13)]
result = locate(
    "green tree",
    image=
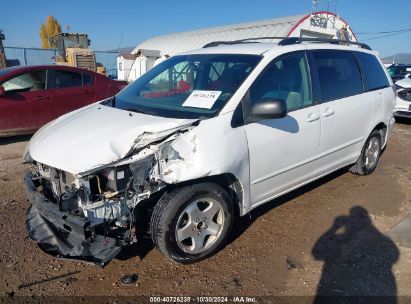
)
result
[(48, 31)]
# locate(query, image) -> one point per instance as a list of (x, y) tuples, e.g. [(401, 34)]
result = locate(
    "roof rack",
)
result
[(246, 40), (295, 40), (217, 43), (289, 41)]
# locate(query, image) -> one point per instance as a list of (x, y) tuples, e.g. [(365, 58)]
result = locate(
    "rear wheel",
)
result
[(191, 223), (370, 155)]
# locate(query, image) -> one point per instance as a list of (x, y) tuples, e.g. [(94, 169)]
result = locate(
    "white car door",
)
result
[(346, 109), (281, 150)]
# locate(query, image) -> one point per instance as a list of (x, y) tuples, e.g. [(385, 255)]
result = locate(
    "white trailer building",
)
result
[(124, 63), (318, 25)]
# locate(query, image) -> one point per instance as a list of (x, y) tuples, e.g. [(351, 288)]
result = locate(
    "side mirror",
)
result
[(2, 91), (269, 109)]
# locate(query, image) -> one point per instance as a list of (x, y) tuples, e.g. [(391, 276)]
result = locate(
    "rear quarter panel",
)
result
[(106, 87), (385, 112), (101, 86), (116, 86)]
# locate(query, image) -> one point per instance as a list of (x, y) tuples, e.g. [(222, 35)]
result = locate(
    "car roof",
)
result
[(21, 68)]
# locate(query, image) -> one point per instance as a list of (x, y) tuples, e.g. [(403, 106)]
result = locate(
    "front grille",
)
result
[(405, 94), (86, 62)]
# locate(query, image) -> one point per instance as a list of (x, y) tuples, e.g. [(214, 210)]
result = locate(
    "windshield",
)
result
[(6, 71), (187, 86), (75, 41)]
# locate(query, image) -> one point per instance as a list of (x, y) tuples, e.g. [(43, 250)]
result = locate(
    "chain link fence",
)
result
[(37, 56)]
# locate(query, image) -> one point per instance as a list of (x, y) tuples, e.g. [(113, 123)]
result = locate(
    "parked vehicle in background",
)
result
[(31, 96), (200, 139), (403, 100), (399, 71)]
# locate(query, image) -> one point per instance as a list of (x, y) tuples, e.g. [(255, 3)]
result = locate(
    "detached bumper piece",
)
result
[(405, 114), (65, 235)]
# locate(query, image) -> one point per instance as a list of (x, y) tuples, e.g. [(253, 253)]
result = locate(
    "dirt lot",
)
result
[(328, 236)]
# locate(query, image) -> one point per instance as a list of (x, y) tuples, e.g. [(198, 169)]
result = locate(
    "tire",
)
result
[(366, 164), (182, 213)]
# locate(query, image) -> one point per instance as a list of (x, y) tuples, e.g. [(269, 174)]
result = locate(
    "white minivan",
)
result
[(202, 138)]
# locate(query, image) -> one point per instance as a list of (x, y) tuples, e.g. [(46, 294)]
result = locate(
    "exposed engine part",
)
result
[(109, 195), (117, 179), (405, 94), (141, 173), (71, 198)]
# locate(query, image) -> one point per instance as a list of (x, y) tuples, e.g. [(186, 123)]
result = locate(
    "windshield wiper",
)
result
[(134, 110), (109, 102)]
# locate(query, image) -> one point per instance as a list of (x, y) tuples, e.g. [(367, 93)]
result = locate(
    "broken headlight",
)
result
[(117, 179), (130, 177)]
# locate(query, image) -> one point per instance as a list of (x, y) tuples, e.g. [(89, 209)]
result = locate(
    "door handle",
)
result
[(328, 112), (40, 98), (312, 117), (86, 92)]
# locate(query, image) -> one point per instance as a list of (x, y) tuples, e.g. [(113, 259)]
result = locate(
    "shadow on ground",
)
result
[(246, 221), (139, 249), (403, 121), (358, 261), (14, 139)]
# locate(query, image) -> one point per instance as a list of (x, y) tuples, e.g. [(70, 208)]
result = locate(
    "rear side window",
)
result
[(65, 79), (338, 74), (374, 74), (87, 79)]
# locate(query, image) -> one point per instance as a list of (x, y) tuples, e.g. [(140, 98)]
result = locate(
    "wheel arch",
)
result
[(228, 181), (382, 129)]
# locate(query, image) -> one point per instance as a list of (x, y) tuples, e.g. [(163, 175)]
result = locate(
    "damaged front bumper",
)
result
[(403, 104), (63, 234)]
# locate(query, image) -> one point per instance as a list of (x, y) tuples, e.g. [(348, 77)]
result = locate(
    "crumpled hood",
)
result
[(404, 83), (97, 135)]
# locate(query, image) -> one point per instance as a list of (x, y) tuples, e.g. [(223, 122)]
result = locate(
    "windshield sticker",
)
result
[(202, 99)]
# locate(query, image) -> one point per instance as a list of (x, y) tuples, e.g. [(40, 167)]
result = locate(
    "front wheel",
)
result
[(370, 155), (191, 223)]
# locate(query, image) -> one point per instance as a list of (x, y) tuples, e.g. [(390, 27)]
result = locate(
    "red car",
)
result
[(31, 96)]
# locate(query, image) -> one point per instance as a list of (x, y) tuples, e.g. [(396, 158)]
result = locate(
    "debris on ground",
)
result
[(129, 279), (290, 263)]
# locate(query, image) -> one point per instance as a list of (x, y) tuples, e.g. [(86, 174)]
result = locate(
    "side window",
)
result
[(31, 81), (338, 74), (65, 79), (286, 78), (87, 79), (225, 75), (374, 73)]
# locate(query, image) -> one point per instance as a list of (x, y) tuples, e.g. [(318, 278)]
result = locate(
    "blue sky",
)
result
[(126, 23)]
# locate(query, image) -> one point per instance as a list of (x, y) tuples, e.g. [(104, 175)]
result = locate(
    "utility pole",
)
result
[(3, 62)]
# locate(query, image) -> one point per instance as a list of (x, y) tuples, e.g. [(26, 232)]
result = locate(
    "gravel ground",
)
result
[(328, 238)]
